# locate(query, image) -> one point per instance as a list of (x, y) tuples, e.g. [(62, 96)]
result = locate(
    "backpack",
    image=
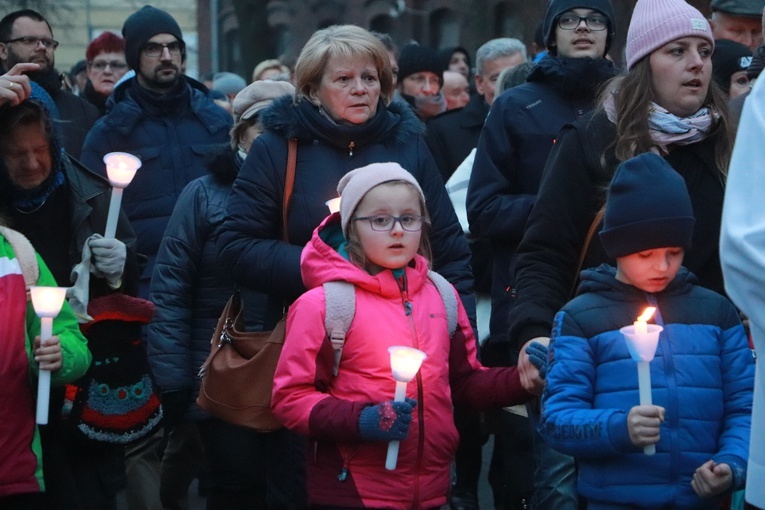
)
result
[(340, 303)]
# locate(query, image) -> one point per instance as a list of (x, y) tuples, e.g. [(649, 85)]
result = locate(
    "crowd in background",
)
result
[(542, 179)]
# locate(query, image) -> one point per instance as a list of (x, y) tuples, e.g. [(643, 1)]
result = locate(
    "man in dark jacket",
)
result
[(518, 135), (25, 36), (163, 117), (168, 121)]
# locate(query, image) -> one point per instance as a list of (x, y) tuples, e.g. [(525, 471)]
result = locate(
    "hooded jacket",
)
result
[(21, 470), (702, 374), (173, 136), (251, 245), (576, 177), (516, 139), (389, 311)]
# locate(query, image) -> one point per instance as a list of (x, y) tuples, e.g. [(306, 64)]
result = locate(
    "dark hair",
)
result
[(108, 42), (633, 94), (6, 24), (26, 112)]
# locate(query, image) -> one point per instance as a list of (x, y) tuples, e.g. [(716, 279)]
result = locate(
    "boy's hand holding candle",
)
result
[(644, 424)]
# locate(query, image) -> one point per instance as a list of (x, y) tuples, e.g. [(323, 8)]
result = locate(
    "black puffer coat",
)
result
[(186, 287), (251, 249)]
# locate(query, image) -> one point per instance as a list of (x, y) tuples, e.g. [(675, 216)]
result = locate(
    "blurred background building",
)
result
[(234, 35)]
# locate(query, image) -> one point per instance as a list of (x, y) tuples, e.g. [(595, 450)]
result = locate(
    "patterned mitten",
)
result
[(538, 357), (388, 421)]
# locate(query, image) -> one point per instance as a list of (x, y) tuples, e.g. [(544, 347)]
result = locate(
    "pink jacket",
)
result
[(342, 469)]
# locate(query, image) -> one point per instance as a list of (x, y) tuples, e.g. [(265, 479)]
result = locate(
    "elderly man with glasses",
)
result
[(169, 121), (26, 37)]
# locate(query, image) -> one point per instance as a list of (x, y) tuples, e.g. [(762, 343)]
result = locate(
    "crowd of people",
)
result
[(551, 191)]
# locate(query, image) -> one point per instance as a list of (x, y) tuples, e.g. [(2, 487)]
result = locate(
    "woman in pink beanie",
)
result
[(664, 104)]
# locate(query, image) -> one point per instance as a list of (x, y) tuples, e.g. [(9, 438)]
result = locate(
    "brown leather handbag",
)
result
[(238, 375)]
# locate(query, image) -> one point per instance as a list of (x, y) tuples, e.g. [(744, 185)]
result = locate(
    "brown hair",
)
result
[(347, 41), (356, 251), (633, 94)]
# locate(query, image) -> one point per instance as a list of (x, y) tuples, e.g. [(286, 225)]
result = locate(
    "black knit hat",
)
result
[(414, 58), (758, 62), (648, 207), (141, 26), (728, 58), (556, 8)]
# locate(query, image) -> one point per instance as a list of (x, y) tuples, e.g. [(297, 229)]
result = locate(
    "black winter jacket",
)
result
[(186, 287), (453, 134), (251, 246), (572, 191), (516, 139)]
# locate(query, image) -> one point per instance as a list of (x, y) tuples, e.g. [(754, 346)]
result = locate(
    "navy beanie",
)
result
[(555, 8), (729, 57), (141, 26), (414, 58), (648, 207)]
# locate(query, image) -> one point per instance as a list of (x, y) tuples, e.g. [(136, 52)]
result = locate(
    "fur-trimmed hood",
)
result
[(392, 125)]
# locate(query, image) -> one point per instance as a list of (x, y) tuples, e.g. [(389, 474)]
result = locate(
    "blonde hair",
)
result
[(356, 251), (269, 64), (346, 41)]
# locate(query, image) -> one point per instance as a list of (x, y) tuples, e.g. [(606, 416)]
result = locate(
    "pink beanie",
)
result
[(356, 183), (654, 23)]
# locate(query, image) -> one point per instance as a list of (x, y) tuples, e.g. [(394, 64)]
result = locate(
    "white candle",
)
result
[(121, 168), (404, 363), (644, 388), (47, 302), (641, 327), (333, 204)]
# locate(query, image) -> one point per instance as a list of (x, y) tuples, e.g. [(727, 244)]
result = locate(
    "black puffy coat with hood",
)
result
[(251, 247)]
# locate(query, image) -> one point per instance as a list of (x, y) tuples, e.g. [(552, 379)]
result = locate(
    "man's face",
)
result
[(160, 62), (583, 40), (26, 153), (486, 79), (39, 48), (456, 90), (742, 29), (424, 83)]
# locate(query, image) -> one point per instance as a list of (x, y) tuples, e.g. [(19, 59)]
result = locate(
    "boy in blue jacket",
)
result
[(702, 375)]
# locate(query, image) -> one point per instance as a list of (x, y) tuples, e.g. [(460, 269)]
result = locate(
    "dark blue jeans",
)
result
[(555, 476), (251, 470)]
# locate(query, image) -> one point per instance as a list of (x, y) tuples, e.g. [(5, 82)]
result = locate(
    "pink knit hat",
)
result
[(654, 23), (357, 183)]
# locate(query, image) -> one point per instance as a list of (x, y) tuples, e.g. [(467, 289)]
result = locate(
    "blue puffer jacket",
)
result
[(186, 286), (174, 135), (703, 375), (252, 250)]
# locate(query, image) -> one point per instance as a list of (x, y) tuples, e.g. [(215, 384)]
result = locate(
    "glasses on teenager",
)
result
[(101, 65), (386, 222), (594, 22), (153, 49), (34, 41)]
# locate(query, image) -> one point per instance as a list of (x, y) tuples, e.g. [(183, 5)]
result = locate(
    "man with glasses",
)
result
[(25, 36), (515, 141), (169, 121)]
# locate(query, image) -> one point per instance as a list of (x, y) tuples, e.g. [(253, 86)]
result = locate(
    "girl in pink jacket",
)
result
[(378, 243)]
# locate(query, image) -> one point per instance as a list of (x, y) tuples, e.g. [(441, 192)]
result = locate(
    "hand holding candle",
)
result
[(404, 363), (121, 168), (642, 339), (47, 302)]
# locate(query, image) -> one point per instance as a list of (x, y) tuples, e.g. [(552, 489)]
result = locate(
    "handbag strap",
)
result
[(289, 183), (586, 246)]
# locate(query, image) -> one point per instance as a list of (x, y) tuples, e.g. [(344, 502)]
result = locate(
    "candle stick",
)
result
[(642, 339), (47, 302), (404, 363), (121, 168)]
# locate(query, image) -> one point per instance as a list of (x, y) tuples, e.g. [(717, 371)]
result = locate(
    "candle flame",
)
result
[(647, 314)]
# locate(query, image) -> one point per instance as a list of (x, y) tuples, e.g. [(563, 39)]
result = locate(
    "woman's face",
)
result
[(349, 90), (739, 83), (105, 70), (248, 136), (681, 71)]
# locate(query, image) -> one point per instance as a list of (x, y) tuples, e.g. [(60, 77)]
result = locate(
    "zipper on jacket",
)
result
[(350, 149)]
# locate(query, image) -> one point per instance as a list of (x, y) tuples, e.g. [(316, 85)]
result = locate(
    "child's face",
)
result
[(650, 270), (393, 248)]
